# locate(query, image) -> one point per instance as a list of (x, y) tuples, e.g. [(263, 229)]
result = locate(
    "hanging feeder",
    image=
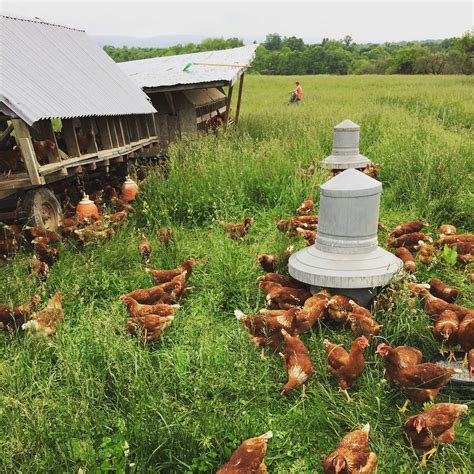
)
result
[(86, 209), (129, 190)]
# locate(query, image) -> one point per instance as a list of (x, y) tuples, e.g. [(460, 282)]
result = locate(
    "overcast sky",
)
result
[(368, 21)]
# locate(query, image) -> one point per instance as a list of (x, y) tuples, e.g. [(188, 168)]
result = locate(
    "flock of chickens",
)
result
[(292, 310)]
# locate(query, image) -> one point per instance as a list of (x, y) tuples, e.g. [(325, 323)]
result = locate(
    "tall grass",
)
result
[(185, 403)]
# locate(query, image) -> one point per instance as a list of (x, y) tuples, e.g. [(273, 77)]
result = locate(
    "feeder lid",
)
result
[(347, 125), (129, 180), (85, 200), (351, 183)]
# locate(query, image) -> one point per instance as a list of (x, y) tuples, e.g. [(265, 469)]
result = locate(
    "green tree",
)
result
[(273, 42)]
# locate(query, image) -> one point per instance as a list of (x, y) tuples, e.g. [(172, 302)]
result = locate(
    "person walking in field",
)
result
[(296, 94)]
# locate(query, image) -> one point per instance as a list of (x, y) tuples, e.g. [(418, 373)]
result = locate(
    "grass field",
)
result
[(186, 402)]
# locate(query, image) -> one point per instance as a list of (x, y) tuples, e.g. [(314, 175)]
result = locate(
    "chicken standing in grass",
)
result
[(445, 329), (154, 295), (352, 455), (144, 248), (410, 228), (282, 280), (150, 326), (443, 291), (163, 276), (432, 426), (297, 363), (309, 236), (347, 367), (339, 307), (249, 457), (409, 261), (314, 309), (419, 381), (239, 231), (14, 316), (363, 325), (446, 229), (280, 297), (409, 240), (165, 235), (38, 268), (45, 322), (306, 207), (137, 309)]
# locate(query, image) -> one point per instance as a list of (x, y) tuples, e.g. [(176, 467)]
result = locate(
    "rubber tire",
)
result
[(30, 209)]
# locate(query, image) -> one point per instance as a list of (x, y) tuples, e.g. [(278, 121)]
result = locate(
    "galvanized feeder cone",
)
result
[(345, 149), (346, 257)]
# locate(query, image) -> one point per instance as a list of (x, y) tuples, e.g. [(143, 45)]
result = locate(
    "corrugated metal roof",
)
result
[(168, 70), (53, 71)]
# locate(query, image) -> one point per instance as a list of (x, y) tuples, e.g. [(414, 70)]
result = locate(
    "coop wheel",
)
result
[(40, 207)]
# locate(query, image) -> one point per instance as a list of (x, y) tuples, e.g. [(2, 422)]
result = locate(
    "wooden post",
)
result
[(104, 132), (23, 139), (45, 131), (163, 131), (126, 133), (169, 99), (239, 98), (229, 102), (118, 128), (72, 147), (113, 132), (132, 128)]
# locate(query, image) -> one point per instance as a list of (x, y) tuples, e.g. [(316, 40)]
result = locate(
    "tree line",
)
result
[(292, 56)]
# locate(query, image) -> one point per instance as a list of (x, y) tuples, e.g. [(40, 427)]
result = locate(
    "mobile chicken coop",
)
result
[(66, 109), (192, 92)]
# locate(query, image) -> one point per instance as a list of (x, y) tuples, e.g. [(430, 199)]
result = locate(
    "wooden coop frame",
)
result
[(179, 114), (114, 139)]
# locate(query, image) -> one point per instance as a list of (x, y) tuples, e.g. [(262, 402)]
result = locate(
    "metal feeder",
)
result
[(346, 257), (345, 149)]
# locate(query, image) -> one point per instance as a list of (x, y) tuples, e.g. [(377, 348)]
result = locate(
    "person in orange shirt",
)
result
[(296, 94)]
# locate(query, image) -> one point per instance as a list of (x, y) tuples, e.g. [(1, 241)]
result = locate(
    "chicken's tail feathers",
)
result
[(147, 270), (267, 435), (326, 342), (177, 306), (239, 314), (366, 428), (463, 408), (425, 285)]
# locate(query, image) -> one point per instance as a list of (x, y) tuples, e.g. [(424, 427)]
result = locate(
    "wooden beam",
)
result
[(104, 131), (151, 125), (118, 128), (23, 139), (70, 137), (126, 132), (113, 132), (239, 98), (132, 127), (227, 111), (45, 131), (201, 85)]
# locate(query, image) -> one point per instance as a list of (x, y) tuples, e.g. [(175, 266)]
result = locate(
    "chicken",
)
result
[(435, 306), (446, 327), (306, 207), (283, 280), (409, 240), (265, 328), (177, 286), (425, 252), (347, 367), (410, 228), (269, 263), (282, 225), (163, 276), (470, 277), (372, 170), (446, 229), (84, 140), (363, 325), (8, 247), (39, 268), (44, 323), (95, 232), (153, 295), (309, 222), (339, 308), (45, 253), (36, 231), (352, 455), (165, 235), (121, 204), (13, 231), (420, 381), (13, 317), (465, 334), (443, 291), (470, 362), (432, 426), (248, 458), (309, 236), (117, 218), (409, 262), (137, 309), (297, 363), (314, 309), (456, 239), (44, 150), (281, 297), (238, 231), (467, 257), (150, 326), (144, 247)]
